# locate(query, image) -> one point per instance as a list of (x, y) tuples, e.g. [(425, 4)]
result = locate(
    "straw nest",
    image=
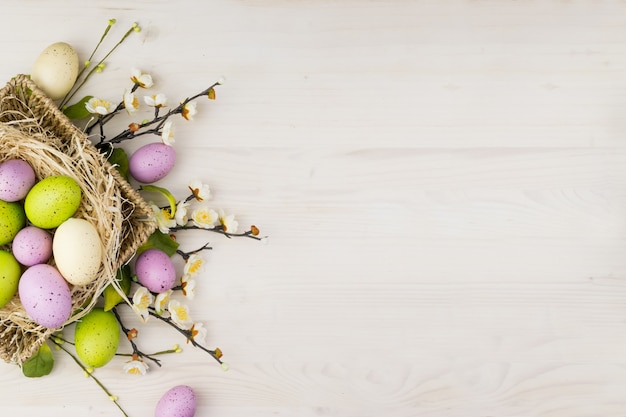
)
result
[(33, 129)]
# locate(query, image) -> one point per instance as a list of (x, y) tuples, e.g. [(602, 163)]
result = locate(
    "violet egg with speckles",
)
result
[(155, 270), (16, 179), (152, 162), (45, 296), (179, 401), (32, 246)]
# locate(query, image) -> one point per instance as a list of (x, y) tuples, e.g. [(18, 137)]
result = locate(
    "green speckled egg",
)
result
[(97, 337), (52, 201), (10, 272), (12, 219)]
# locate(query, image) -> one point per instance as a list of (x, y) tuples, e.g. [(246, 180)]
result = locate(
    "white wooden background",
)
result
[(444, 183)]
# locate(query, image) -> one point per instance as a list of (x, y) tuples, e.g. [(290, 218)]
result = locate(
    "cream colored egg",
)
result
[(55, 70), (77, 251)]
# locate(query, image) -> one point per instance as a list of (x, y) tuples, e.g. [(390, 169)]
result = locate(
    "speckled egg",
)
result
[(12, 219), (179, 401), (97, 337), (155, 270), (77, 251), (10, 272), (55, 70), (16, 179), (45, 296), (152, 162), (32, 246), (52, 200)]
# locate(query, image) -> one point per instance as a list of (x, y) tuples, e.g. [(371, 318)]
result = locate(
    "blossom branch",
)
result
[(91, 375)]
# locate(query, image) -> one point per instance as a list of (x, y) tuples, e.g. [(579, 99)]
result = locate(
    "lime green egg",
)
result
[(97, 337), (10, 272), (52, 201), (12, 219)]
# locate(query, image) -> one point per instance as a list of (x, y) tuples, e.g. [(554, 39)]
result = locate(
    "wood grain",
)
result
[(444, 184)]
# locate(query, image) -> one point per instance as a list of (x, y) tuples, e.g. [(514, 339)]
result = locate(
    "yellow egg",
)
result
[(52, 201), (77, 251), (55, 70)]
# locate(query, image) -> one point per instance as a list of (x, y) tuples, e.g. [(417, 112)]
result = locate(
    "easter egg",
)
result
[(55, 70), (52, 200), (45, 295), (32, 246), (179, 401), (77, 251), (155, 270), (152, 162), (10, 272), (12, 219), (97, 337), (16, 179)]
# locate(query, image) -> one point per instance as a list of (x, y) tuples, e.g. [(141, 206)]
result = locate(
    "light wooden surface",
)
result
[(444, 183)]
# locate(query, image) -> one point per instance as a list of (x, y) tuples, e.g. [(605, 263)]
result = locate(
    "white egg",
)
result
[(77, 251), (55, 70)]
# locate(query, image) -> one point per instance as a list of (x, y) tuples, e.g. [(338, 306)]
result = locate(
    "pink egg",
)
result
[(155, 270), (179, 401), (32, 246), (45, 296), (152, 162), (16, 179)]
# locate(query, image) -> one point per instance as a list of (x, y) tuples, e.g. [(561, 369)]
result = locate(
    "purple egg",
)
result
[(32, 246), (179, 401), (152, 162), (45, 296), (155, 270), (16, 179)]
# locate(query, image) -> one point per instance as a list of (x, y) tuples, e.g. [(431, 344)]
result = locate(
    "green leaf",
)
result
[(40, 364), (119, 159), (78, 110), (165, 193), (160, 240), (111, 296)]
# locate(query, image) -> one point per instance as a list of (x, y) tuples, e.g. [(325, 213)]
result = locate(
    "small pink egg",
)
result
[(155, 270), (152, 162), (32, 246), (16, 179), (179, 401), (45, 296)]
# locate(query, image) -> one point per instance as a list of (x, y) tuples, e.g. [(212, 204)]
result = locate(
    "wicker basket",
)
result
[(32, 128)]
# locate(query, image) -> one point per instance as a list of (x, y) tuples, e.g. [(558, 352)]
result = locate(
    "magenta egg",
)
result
[(16, 179), (45, 295), (32, 246), (179, 401), (152, 162), (155, 270)]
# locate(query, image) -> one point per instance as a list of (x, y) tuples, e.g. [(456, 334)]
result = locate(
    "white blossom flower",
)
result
[(136, 367), (98, 106), (189, 110), (143, 80), (228, 222), (198, 333), (194, 264), (200, 191), (188, 285), (161, 301), (163, 219), (179, 313), (156, 100), (130, 102), (167, 133), (204, 217), (142, 299), (181, 215)]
